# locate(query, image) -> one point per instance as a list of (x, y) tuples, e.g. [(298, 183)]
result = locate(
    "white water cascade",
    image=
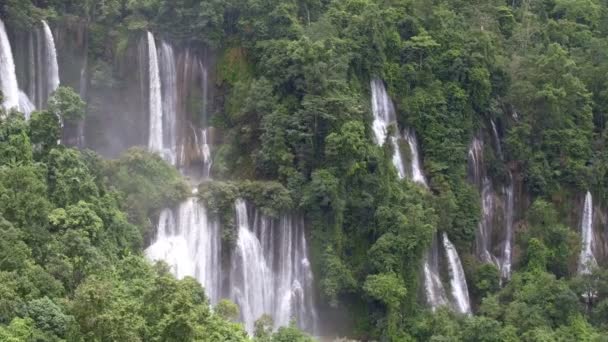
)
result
[(190, 243), (13, 97), (155, 137), (417, 174), (50, 59), (483, 236), (384, 116), (168, 76), (587, 259), (270, 272), (507, 252), (433, 287), (460, 292), (8, 78), (206, 152), (491, 246)]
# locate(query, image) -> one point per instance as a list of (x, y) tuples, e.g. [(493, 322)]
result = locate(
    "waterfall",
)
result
[(206, 152), (478, 177), (168, 76), (270, 271), (460, 292), (496, 139), (433, 287), (155, 138), (384, 116), (587, 260), (190, 243), (50, 60), (483, 237), (507, 255), (383, 109), (8, 77), (253, 290), (493, 204), (417, 174)]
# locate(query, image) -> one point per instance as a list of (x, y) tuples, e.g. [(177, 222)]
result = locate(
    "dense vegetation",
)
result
[(71, 236), (295, 109)]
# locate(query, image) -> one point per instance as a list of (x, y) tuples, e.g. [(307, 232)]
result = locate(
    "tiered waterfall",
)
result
[(267, 272), (384, 117)]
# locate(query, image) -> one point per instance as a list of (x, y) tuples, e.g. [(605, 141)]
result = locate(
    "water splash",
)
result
[(587, 259), (460, 292)]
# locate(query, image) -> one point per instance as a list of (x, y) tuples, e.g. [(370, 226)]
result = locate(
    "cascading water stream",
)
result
[(493, 205), (155, 137), (168, 76), (190, 243), (477, 175), (496, 139), (384, 116), (206, 152), (460, 292), (587, 259), (13, 97), (417, 174), (252, 288), (270, 272), (50, 60), (433, 287), (507, 255)]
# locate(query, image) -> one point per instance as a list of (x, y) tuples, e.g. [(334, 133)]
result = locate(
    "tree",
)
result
[(66, 104), (45, 131)]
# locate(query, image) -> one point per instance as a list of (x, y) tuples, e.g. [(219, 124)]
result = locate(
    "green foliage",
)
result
[(146, 182), (71, 267), (15, 144), (550, 244), (45, 131), (293, 109), (227, 310), (66, 104), (486, 280), (386, 288), (270, 197)]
